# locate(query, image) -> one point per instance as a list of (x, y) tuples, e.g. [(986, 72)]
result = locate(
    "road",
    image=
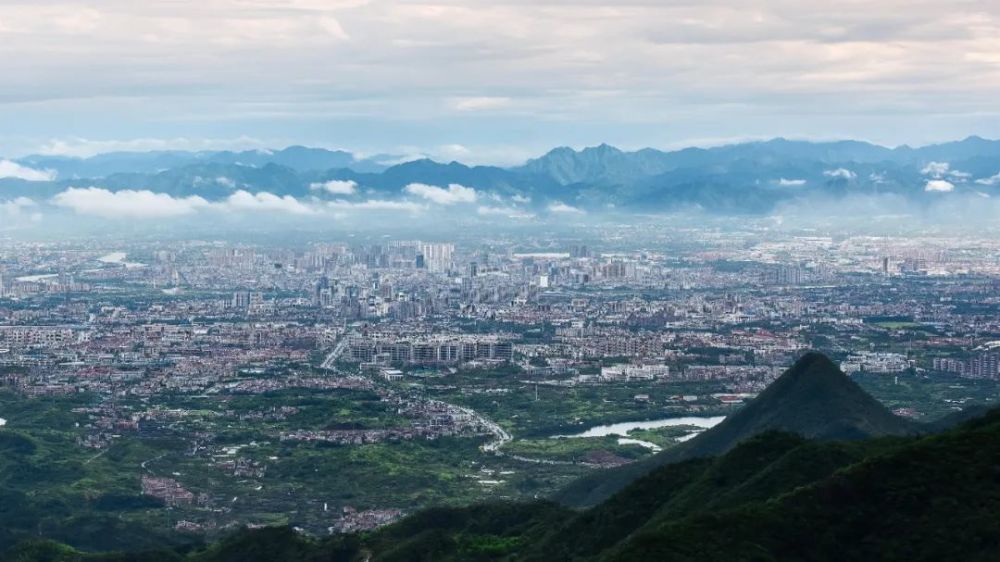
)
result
[(338, 350)]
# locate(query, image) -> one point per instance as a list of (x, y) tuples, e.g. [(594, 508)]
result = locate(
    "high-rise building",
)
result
[(241, 299), (438, 257)]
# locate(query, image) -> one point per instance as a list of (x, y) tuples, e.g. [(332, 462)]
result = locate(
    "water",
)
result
[(651, 446), (37, 278), (622, 429), (118, 258)]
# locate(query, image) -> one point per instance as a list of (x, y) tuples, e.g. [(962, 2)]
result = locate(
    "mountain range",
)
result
[(751, 177), (812, 469)]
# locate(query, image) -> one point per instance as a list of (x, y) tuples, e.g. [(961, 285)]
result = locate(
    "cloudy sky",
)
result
[(491, 81)]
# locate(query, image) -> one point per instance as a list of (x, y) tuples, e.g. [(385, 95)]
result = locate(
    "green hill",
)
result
[(813, 399)]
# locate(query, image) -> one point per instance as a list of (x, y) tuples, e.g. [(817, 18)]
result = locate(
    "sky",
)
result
[(493, 81)]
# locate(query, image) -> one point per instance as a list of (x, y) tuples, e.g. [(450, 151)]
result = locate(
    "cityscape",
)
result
[(499, 281), (245, 384)]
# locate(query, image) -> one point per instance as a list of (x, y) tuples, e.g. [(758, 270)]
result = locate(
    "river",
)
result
[(622, 429), (36, 278), (118, 258)]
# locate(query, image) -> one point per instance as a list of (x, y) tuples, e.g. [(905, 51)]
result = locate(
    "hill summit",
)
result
[(813, 398)]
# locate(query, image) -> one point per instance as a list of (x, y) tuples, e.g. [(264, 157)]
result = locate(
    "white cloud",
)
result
[(145, 204), (96, 201), (477, 155), (509, 212), (560, 207), (518, 198), (610, 65), (842, 173), (84, 148), (225, 182), (10, 169), (935, 169), (333, 28), (480, 103), (376, 205), (791, 183), (939, 170), (992, 180), (15, 207), (336, 187), (941, 186), (455, 193), (265, 201)]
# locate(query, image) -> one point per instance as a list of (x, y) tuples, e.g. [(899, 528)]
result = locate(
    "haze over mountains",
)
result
[(754, 178)]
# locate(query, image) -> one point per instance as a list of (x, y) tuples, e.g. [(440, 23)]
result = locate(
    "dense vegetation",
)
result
[(773, 496)]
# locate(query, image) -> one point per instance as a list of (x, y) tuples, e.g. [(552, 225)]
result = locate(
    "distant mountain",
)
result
[(599, 164), (606, 164), (214, 180), (746, 178), (298, 158), (813, 399)]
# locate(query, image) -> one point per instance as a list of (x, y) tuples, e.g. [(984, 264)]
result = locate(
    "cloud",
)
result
[(791, 183), (842, 173), (85, 148), (518, 198), (509, 212), (939, 170), (10, 169), (477, 155), (455, 193), (376, 205), (992, 180), (596, 69), (265, 201), (333, 28), (940, 186), (144, 204), (225, 182), (560, 207), (15, 207), (336, 187), (935, 169), (99, 202), (480, 103)]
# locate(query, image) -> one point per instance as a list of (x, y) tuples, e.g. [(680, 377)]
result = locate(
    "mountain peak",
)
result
[(601, 149), (813, 398), (814, 369)]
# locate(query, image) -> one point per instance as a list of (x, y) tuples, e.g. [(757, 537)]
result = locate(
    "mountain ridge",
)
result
[(754, 177)]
